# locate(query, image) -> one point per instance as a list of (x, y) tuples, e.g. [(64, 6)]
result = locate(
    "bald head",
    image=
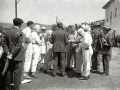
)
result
[(37, 28)]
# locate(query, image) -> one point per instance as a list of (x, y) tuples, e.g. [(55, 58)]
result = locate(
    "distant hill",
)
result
[(9, 25)]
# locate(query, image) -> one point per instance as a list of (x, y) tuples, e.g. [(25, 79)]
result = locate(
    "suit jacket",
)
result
[(106, 50), (98, 34), (13, 43), (59, 40)]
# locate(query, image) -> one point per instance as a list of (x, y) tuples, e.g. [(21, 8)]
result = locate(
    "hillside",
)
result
[(9, 25)]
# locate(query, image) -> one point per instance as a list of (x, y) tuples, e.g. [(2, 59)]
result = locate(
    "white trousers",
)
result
[(28, 57), (86, 63), (35, 58)]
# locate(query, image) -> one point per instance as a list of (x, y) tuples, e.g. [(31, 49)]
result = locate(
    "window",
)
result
[(115, 12), (107, 18), (110, 18)]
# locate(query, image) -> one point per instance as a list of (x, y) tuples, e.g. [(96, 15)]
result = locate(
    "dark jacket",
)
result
[(12, 42), (59, 41), (106, 50)]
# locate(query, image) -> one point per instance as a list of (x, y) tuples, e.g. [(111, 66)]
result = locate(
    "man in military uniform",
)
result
[(59, 41), (71, 62), (97, 45), (106, 50), (13, 47)]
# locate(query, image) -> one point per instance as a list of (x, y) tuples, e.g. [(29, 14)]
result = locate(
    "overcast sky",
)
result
[(45, 11)]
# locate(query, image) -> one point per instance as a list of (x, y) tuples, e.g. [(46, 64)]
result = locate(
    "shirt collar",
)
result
[(17, 27)]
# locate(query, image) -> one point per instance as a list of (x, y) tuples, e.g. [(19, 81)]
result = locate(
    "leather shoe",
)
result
[(45, 71), (84, 78), (34, 75)]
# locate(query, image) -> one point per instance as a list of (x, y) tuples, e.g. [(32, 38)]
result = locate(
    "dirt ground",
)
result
[(70, 82)]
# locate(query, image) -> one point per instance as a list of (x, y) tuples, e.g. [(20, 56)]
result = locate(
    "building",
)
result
[(112, 15), (98, 22)]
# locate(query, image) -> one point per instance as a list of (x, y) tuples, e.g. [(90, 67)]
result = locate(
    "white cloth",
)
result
[(36, 50), (29, 49), (1, 51), (86, 42)]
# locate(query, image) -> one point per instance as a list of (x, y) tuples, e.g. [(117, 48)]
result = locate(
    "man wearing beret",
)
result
[(106, 50), (59, 41), (13, 47)]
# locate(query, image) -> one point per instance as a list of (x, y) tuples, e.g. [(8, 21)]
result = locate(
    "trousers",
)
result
[(35, 57), (61, 60), (28, 57)]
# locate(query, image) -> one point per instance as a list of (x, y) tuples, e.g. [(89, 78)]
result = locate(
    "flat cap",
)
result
[(107, 28), (17, 21), (43, 28), (59, 24)]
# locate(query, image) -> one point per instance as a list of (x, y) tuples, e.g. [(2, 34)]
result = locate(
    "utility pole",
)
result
[(56, 19), (16, 2)]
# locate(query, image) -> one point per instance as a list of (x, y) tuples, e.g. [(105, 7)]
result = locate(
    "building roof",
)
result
[(108, 4)]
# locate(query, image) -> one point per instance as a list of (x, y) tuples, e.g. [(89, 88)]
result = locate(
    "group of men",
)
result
[(30, 46)]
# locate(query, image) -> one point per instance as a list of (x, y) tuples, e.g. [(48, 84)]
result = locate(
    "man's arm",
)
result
[(4, 45), (18, 46), (52, 39), (65, 39)]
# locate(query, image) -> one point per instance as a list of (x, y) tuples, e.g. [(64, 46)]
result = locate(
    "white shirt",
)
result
[(27, 31), (35, 38)]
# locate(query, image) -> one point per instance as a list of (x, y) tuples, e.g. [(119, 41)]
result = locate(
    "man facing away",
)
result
[(59, 41), (13, 47)]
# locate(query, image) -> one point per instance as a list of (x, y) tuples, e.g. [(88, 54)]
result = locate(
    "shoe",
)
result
[(104, 74), (34, 75), (77, 74), (28, 77), (26, 81), (84, 78), (63, 74), (53, 75), (45, 71)]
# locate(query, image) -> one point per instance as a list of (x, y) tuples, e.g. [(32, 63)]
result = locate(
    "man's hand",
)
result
[(9, 56)]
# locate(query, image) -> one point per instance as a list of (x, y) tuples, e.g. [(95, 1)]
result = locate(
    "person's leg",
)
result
[(107, 64), (17, 74), (69, 55), (55, 62), (36, 53), (48, 57), (104, 70), (62, 60), (28, 58), (9, 75)]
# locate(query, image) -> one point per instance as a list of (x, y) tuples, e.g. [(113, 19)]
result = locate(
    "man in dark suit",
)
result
[(106, 50), (59, 41), (13, 47)]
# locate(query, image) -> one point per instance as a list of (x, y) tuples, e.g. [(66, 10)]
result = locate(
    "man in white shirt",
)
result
[(28, 48)]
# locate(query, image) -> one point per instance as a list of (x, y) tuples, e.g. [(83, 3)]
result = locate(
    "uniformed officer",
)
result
[(71, 62), (13, 47), (106, 50), (97, 45)]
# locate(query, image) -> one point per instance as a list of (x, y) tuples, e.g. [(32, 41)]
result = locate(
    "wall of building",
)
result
[(115, 21)]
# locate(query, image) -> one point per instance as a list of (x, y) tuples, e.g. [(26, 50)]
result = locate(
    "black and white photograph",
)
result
[(59, 44)]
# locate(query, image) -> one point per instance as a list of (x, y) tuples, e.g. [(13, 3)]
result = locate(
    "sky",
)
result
[(46, 11)]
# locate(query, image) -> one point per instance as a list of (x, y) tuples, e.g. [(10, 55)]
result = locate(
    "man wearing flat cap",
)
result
[(59, 41), (106, 50), (13, 48)]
